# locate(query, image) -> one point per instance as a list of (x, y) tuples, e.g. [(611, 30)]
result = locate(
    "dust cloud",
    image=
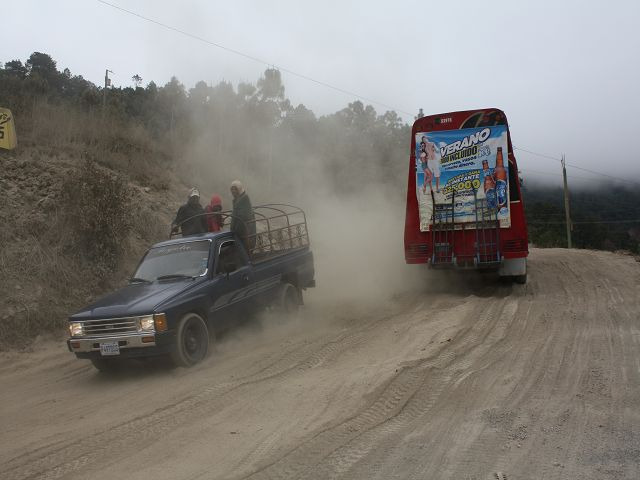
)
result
[(356, 235), (358, 244)]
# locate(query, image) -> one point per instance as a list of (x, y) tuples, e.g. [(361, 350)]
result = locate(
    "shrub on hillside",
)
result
[(97, 209)]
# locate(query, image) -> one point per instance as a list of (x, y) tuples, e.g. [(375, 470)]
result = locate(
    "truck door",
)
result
[(233, 286)]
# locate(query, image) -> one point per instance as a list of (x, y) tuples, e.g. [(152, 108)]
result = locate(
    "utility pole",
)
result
[(270, 182), (567, 212), (107, 82)]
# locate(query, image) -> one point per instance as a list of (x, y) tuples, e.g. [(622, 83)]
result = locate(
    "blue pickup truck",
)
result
[(186, 289)]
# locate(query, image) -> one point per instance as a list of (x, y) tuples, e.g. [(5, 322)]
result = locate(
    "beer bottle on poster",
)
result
[(489, 186), (500, 174)]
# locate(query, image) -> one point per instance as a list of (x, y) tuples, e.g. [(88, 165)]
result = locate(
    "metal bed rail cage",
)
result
[(278, 228)]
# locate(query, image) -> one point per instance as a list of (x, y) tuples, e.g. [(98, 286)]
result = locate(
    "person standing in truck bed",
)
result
[(242, 219), (215, 222), (191, 218)]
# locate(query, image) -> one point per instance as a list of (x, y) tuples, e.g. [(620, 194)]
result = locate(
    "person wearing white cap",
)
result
[(191, 219)]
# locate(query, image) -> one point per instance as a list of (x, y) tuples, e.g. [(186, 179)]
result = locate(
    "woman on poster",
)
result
[(428, 176), (433, 164), (422, 154)]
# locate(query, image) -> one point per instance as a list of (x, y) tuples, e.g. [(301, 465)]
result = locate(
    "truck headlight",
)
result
[(76, 329), (146, 324)]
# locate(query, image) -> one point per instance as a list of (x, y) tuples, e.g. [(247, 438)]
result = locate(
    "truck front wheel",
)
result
[(192, 341)]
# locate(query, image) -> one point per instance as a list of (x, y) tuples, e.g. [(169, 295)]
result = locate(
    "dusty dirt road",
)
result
[(481, 381)]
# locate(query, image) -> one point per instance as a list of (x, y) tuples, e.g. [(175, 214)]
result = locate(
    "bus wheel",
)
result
[(521, 279), (192, 341)]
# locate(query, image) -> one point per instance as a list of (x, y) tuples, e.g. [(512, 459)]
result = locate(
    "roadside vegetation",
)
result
[(602, 217)]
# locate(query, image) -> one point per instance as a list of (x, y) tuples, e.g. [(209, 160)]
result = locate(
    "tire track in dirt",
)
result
[(485, 451), (269, 446), (487, 330), (477, 460), (58, 462), (408, 320), (548, 421), (538, 381), (410, 394)]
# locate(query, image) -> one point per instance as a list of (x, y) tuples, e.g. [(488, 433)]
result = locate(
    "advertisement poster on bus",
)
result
[(463, 168)]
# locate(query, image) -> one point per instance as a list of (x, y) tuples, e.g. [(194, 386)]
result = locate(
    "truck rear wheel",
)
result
[(192, 341), (289, 299)]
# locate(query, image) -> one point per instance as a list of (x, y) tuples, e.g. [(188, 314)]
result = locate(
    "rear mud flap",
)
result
[(512, 267)]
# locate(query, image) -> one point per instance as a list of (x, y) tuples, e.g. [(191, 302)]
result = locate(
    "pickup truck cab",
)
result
[(185, 289)]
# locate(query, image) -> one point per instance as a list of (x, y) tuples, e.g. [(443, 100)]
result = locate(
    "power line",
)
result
[(526, 171), (255, 59), (600, 212), (552, 174), (577, 197), (637, 220), (320, 82), (532, 153), (603, 174), (577, 167), (616, 204), (581, 200)]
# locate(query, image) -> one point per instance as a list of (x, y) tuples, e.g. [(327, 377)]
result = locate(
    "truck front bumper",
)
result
[(136, 345)]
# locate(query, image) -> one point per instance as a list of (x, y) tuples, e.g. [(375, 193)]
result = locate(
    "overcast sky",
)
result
[(566, 73)]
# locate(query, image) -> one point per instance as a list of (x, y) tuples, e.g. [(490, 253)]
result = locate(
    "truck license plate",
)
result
[(109, 349)]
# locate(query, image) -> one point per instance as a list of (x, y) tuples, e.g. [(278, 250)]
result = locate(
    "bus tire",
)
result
[(520, 279), (192, 341)]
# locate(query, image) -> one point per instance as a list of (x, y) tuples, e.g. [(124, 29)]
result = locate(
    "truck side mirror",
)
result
[(230, 267)]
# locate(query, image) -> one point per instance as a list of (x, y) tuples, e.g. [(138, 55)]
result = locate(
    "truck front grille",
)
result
[(112, 326)]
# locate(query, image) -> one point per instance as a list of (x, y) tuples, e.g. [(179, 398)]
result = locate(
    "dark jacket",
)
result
[(242, 220), (189, 223)]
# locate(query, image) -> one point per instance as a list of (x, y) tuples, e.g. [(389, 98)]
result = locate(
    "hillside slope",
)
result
[(45, 274)]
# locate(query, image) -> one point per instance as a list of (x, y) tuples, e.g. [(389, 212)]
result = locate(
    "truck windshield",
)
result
[(189, 259)]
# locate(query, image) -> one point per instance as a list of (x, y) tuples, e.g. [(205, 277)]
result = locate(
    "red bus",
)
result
[(464, 203)]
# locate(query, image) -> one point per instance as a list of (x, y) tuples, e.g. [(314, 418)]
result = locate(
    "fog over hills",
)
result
[(562, 72)]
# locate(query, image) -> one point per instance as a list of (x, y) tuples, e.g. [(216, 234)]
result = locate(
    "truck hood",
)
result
[(133, 300)]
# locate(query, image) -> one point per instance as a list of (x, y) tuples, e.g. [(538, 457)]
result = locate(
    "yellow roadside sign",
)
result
[(8, 138)]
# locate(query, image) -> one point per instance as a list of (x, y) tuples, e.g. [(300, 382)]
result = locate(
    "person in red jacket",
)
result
[(214, 219)]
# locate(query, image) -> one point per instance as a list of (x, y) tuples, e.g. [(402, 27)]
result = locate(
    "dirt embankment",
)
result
[(44, 276), (475, 380)]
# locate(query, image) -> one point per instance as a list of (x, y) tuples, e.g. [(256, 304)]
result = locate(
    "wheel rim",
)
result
[(194, 342)]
